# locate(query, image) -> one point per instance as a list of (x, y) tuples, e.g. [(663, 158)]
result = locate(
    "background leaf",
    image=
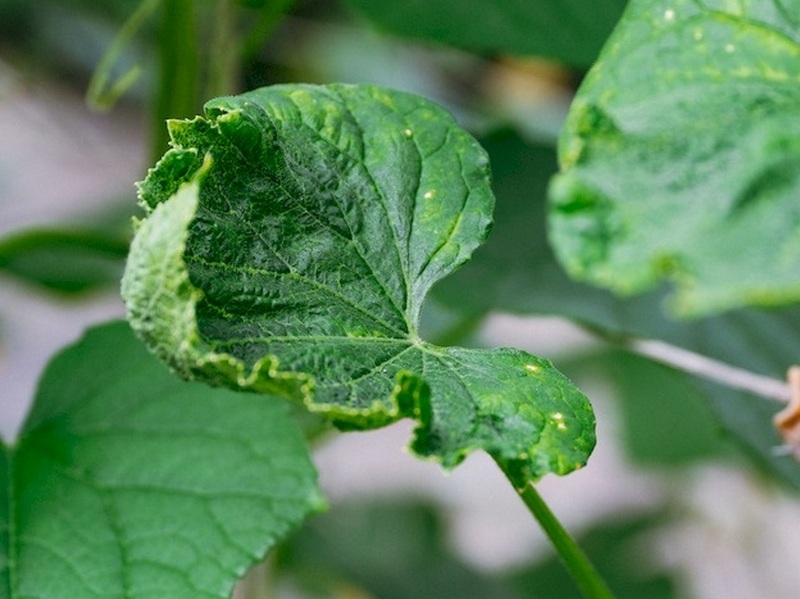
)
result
[(666, 419), (390, 549), (398, 549), (298, 260), (126, 481), (65, 261), (618, 547), (681, 150), (568, 31), (515, 271)]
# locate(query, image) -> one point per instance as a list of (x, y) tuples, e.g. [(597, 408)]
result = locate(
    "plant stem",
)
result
[(574, 559), (177, 93), (102, 95), (708, 368), (223, 60)]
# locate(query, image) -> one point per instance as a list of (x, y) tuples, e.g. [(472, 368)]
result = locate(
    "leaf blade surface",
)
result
[(680, 151), (127, 482), (301, 255), (569, 31)]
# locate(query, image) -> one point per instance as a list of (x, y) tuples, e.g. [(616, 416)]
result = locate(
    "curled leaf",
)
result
[(297, 259)]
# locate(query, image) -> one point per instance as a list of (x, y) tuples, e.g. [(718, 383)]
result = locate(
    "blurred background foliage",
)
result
[(507, 69)]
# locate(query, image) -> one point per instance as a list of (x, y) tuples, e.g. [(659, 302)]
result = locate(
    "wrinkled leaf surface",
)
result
[(297, 260)]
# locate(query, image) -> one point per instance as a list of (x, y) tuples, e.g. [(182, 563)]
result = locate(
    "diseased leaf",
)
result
[(681, 157), (128, 482), (568, 31), (293, 234)]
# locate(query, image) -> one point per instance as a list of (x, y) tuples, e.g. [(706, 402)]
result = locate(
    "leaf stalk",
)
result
[(583, 572)]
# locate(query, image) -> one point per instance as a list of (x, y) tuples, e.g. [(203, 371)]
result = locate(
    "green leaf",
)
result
[(622, 548), (68, 261), (568, 31), (128, 482), (392, 549), (515, 271), (681, 152), (297, 259), (665, 420)]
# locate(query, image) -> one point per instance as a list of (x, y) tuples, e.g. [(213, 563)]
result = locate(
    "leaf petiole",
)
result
[(574, 559)]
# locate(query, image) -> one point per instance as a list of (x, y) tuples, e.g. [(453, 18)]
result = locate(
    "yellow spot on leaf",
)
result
[(558, 418)]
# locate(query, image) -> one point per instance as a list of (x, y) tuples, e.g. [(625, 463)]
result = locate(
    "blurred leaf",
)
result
[(515, 271), (567, 31), (127, 481), (764, 342), (681, 150), (65, 261), (396, 549), (617, 549), (391, 550), (65, 35), (102, 93), (445, 325), (664, 417)]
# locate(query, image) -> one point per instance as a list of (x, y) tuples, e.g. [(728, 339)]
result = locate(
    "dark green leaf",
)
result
[(396, 549), (65, 261), (392, 550), (297, 261), (665, 419), (127, 482), (681, 157), (568, 31), (516, 271), (616, 548)]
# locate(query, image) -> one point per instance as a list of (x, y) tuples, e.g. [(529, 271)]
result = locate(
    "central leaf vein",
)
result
[(334, 293), (379, 192)]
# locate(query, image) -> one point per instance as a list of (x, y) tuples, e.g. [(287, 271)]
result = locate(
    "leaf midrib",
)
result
[(341, 100), (294, 275)]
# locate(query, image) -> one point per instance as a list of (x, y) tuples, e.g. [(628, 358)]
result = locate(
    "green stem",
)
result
[(223, 60), (101, 93), (574, 559), (177, 94)]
